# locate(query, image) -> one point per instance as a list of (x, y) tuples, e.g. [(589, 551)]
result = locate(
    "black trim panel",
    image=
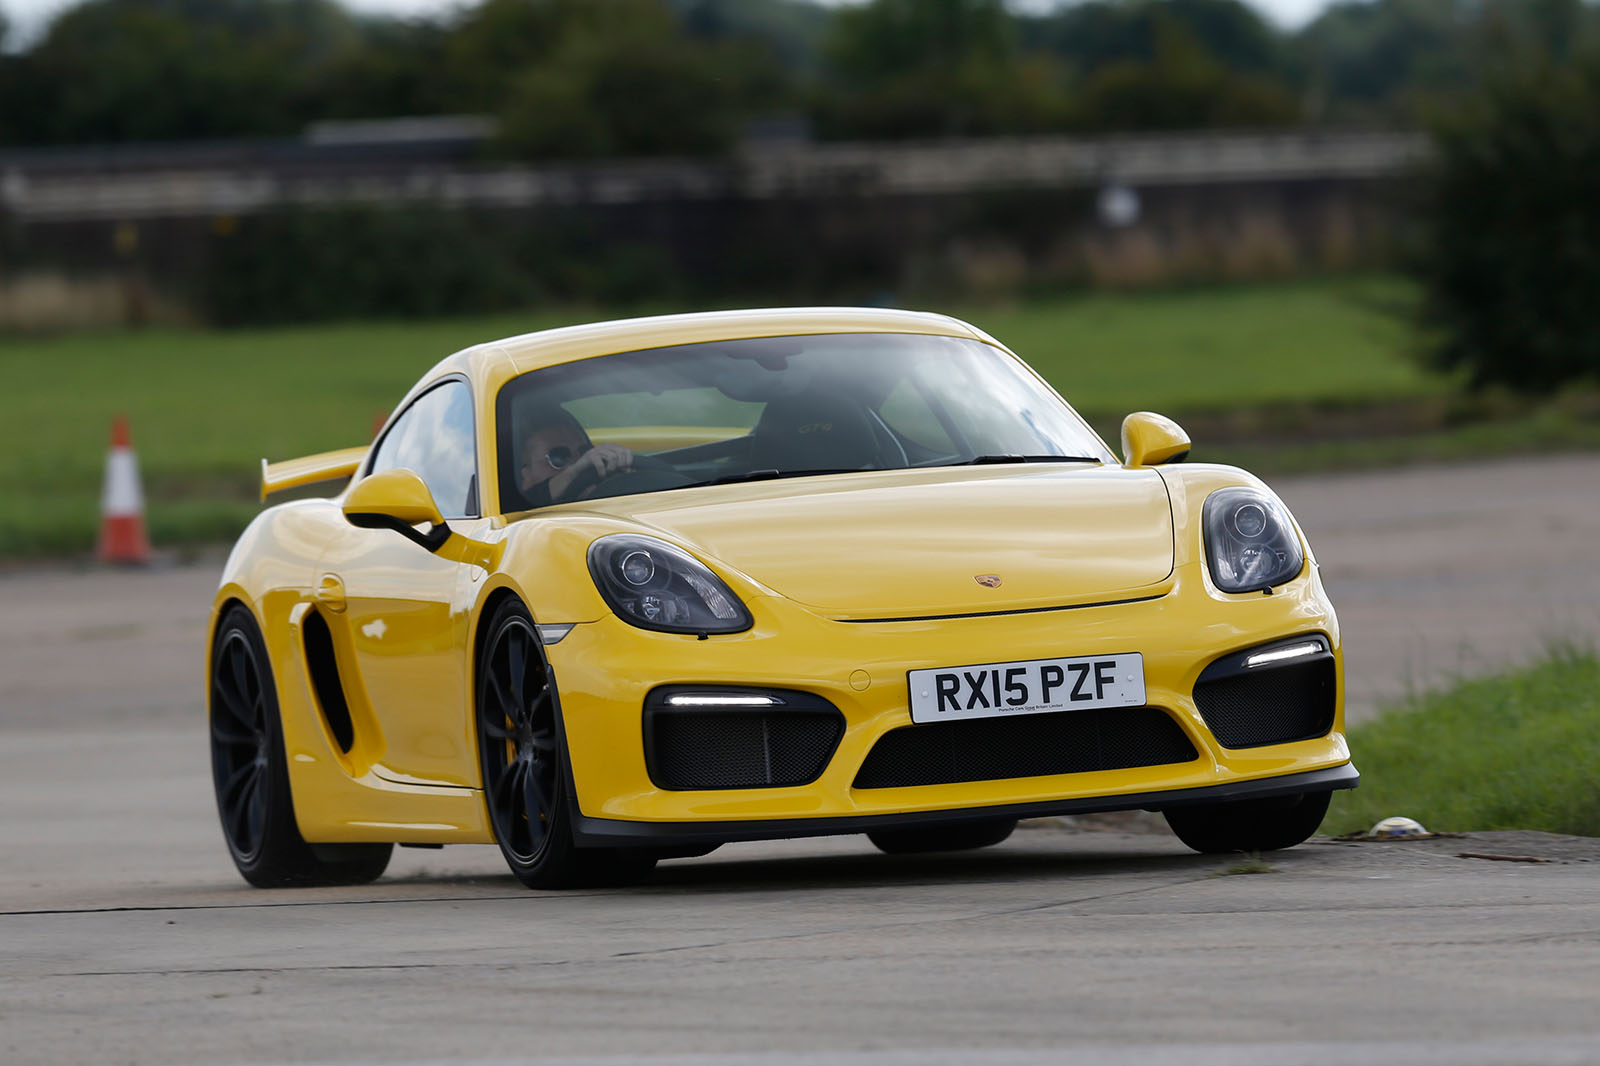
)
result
[(614, 832), (432, 540), (740, 760), (1273, 703), (1024, 745)]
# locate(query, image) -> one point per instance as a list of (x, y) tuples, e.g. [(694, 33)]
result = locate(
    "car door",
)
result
[(402, 612)]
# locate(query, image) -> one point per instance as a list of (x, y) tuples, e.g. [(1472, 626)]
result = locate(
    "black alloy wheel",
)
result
[(250, 773), (958, 836), (1269, 824), (524, 764)]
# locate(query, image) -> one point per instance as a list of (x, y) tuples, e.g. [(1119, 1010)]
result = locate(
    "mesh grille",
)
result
[(1270, 706), (687, 750), (1034, 745)]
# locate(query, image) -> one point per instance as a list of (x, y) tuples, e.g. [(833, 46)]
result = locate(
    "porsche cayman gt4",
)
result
[(619, 592)]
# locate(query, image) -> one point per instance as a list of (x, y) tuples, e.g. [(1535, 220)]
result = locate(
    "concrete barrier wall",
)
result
[(801, 221), (148, 183)]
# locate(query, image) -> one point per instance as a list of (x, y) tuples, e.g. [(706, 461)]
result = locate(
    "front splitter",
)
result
[(614, 832)]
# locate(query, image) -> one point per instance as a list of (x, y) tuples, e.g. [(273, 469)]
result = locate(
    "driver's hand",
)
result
[(597, 463)]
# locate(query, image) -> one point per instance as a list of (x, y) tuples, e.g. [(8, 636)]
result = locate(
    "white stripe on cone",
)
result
[(122, 494)]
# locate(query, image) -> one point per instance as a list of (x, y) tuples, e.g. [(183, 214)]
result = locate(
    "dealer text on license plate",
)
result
[(1038, 686)]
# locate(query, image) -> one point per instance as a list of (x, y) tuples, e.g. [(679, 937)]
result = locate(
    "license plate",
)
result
[(1039, 686)]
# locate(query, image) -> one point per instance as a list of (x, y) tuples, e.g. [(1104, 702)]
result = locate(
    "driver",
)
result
[(560, 463)]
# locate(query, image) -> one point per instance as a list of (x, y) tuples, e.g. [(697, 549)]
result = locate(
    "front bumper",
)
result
[(604, 670)]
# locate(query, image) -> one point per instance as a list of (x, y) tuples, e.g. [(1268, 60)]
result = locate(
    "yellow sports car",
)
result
[(613, 593)]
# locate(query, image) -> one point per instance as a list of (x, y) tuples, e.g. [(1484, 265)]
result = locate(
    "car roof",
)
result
[(550, 347)]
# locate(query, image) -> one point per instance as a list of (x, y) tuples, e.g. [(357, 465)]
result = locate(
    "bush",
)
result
[(301, 266), (1510, 256), (372, 262)]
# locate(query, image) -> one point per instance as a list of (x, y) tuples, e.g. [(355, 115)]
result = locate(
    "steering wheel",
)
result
[(583, 479), (648, 475), (639, 479)]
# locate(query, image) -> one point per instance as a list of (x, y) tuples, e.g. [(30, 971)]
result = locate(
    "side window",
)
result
[(434, 438)]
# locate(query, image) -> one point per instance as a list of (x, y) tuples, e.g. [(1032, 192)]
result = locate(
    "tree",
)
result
[(392, 68), (115, 70), (1367, 56), (791, 30), (1395, 59), (1098, 33), (921, 68), (1510, 262), (621, 94), (1183, 86), (1170, 64), (493, 43), (573, 78)]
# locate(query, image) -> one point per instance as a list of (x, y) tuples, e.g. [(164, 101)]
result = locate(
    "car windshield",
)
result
[(696, 414)]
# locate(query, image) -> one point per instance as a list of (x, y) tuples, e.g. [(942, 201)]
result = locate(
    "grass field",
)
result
[(206, 406), (1515, 751), (1340, 342)]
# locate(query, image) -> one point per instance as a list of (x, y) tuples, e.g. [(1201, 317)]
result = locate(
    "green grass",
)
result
[(1514, 751), (1250, 864), (1561, 425), (206, 406), (1329, 342)]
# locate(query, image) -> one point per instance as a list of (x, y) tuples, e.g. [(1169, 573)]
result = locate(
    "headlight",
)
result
[(653, 585), (1250, 541)]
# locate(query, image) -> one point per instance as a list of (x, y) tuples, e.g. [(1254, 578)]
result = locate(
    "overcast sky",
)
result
[(28, 15)]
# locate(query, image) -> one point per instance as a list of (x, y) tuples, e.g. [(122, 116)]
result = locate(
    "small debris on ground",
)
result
[(1398, 826), (1248, 864), (1370, 839)]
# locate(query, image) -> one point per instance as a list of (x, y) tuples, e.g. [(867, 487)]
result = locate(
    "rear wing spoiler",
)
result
[(324, 466)]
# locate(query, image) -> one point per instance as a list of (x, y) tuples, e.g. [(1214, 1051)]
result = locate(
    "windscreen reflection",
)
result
[(697, 414)]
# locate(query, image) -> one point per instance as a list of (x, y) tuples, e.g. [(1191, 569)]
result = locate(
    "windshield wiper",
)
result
[(766, 475), (1008, 457)]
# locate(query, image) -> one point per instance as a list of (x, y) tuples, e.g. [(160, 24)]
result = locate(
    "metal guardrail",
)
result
[(59, 192)]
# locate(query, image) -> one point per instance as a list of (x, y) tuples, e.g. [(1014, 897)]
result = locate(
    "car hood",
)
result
[(916, 543)]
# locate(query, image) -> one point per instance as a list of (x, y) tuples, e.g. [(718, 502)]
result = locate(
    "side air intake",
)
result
[(324, 671)]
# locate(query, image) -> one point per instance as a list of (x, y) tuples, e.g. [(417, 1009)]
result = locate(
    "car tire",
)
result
[(522, 757), (1269, 824), (959, 836), (250, 774)]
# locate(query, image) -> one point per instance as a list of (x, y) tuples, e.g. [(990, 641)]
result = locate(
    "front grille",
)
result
[(692, 749), (1033, 745), (1268, 705)]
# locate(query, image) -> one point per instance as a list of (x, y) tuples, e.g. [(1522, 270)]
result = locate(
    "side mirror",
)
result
[(1149, 439), (397, 500)]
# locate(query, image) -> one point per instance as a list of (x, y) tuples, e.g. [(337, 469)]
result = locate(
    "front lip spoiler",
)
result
[(613, 832)]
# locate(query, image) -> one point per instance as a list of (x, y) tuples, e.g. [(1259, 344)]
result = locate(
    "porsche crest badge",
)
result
[(988, 581)]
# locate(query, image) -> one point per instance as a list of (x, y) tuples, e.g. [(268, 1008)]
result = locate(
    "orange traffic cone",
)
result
[(122, 533)]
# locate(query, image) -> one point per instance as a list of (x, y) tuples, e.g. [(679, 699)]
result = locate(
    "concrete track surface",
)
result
[(126, 937)]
